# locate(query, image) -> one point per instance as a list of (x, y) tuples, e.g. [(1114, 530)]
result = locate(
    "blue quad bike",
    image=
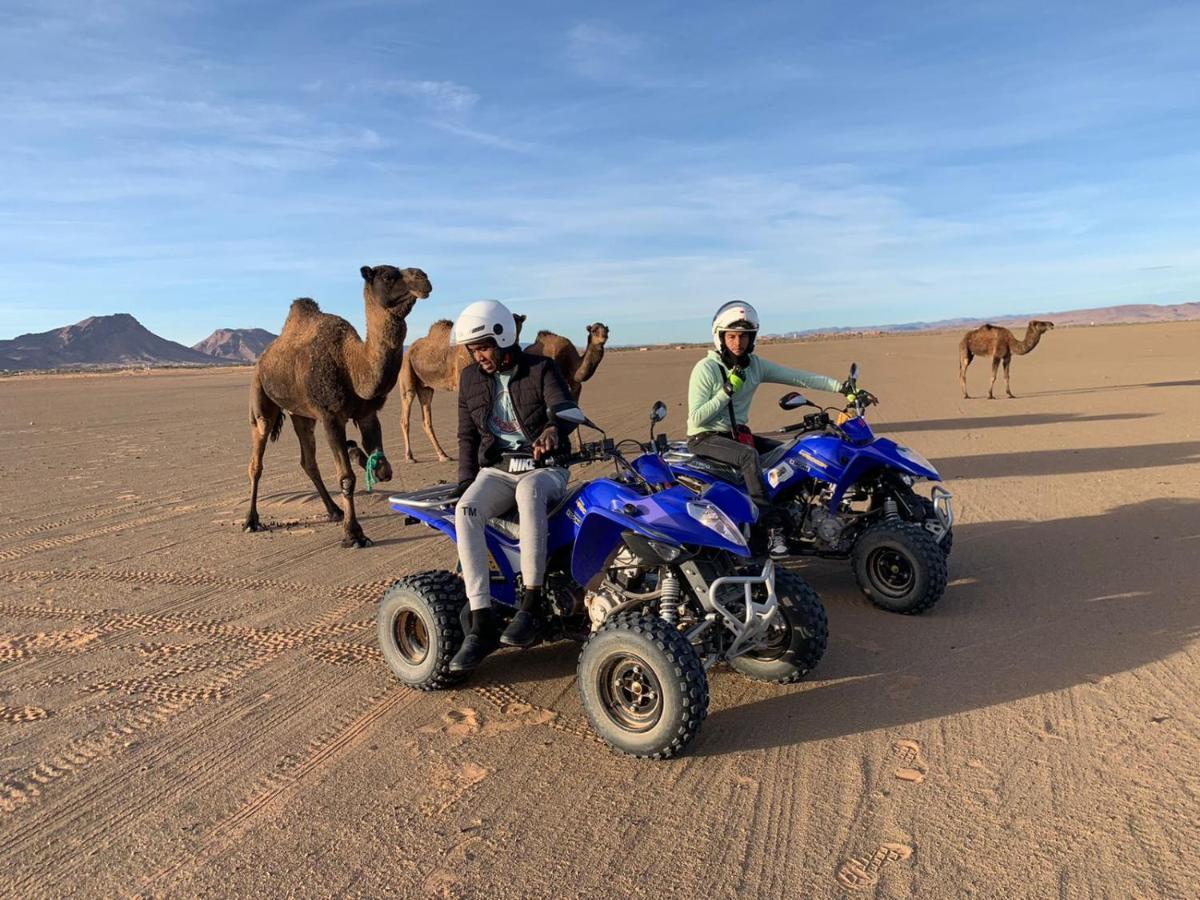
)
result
[(847, 494), (654, 578)]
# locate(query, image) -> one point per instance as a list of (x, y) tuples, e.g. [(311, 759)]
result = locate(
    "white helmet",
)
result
[(485, 319), (735, 315)]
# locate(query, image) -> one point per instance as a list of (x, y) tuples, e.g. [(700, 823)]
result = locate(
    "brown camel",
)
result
[(431, 364), (1000, 344), (576, 369), (318, 369)]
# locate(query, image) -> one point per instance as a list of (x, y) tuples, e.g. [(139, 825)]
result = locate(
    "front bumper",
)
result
[(749, 629)]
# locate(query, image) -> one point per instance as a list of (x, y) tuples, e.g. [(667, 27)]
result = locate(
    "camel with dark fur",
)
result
[(319, 370), (1000, 344), (431, 364)]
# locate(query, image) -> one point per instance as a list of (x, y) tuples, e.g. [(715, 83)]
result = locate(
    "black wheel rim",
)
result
[(411, 637), (891, 572), (630, 692)]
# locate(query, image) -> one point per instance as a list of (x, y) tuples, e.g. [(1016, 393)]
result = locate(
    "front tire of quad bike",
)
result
[(643, 686), (900, 567), (419, 631), (797, 637)]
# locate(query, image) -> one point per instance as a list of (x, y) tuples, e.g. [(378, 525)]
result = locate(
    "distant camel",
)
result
[(1000, 345), (318, 369), (576, 369), (431, 364)]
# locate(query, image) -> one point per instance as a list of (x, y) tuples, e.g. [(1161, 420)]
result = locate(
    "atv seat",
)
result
[(509, 524)]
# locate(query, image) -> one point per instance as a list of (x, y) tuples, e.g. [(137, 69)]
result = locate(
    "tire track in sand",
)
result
[(278, 785), (23, 789)]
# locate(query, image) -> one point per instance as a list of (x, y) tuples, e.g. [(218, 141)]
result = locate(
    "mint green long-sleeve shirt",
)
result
[(708, 404)]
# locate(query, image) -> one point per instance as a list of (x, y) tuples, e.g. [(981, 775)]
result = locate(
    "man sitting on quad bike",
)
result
[(503, 422), (720, 392)]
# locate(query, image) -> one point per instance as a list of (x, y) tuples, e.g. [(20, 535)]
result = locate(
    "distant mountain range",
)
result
[(118, 341), (121, 341), (1101, 315), (240, 344)]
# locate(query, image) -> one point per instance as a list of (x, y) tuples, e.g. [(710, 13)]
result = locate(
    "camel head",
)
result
[(395, 290), (598, 334), (1041, 327)]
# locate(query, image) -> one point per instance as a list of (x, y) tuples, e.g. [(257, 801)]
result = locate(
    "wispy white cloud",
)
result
[(601, 52), (441, 96)]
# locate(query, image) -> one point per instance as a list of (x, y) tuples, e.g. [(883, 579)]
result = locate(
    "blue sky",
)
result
[(200, 164)]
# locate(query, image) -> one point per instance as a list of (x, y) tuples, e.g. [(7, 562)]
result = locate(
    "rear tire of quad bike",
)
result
[(797, 637), (419, 631), (643, 687), (900, 567)]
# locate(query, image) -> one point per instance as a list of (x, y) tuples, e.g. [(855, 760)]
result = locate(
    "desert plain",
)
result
[(189, 710)]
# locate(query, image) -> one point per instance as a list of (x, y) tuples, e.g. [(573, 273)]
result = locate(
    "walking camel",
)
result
[(433, 363), (319, 370), (1000, 344)]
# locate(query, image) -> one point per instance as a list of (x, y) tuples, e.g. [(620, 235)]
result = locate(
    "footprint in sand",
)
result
[(457, 722), (862, 872), (467, 721), (912, 765)]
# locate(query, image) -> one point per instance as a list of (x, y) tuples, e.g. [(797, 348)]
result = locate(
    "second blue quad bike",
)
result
[(847, 494), (654, 578)]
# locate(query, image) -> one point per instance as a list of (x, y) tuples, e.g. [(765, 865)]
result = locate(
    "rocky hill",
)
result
[(237, 344), (98, 342)]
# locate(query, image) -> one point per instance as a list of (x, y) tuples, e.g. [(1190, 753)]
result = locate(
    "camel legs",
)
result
[(964, 360), (406, 398), (305, 432), (265, 421), (372, 436), (425, 395), (1007, 383), (995, 372), (335, 434)]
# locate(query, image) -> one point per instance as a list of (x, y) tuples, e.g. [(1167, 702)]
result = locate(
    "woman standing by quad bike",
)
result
[(655, 580), (841, 492)]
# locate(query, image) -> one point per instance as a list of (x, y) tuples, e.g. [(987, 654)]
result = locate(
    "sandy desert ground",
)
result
[(189, 710)]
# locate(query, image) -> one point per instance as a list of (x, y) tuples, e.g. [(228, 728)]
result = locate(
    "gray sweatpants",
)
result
[(493, 493)]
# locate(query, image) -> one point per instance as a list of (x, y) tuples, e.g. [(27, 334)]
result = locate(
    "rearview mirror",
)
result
[(570, 413), (659, 412), (793, 400), (854, 371)]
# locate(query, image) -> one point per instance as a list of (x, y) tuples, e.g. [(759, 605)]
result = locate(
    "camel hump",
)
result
[(544, 333), (304, 306), (440, 326)]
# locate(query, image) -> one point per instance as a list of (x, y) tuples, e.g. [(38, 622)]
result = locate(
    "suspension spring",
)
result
[(668, 604), (891, 512)]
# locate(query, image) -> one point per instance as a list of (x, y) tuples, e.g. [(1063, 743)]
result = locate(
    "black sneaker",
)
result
[(479, 641), (523, 631), (777, 544)]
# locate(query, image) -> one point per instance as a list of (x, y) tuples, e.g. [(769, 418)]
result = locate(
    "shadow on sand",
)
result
[(1067, 462), (1108, 387), (1040, 607), (883, 428)]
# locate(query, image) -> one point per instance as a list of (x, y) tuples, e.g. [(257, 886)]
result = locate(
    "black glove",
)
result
[(464, 484)]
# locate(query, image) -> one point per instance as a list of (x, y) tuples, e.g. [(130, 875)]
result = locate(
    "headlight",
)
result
[(914, 456), (714, 518)]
